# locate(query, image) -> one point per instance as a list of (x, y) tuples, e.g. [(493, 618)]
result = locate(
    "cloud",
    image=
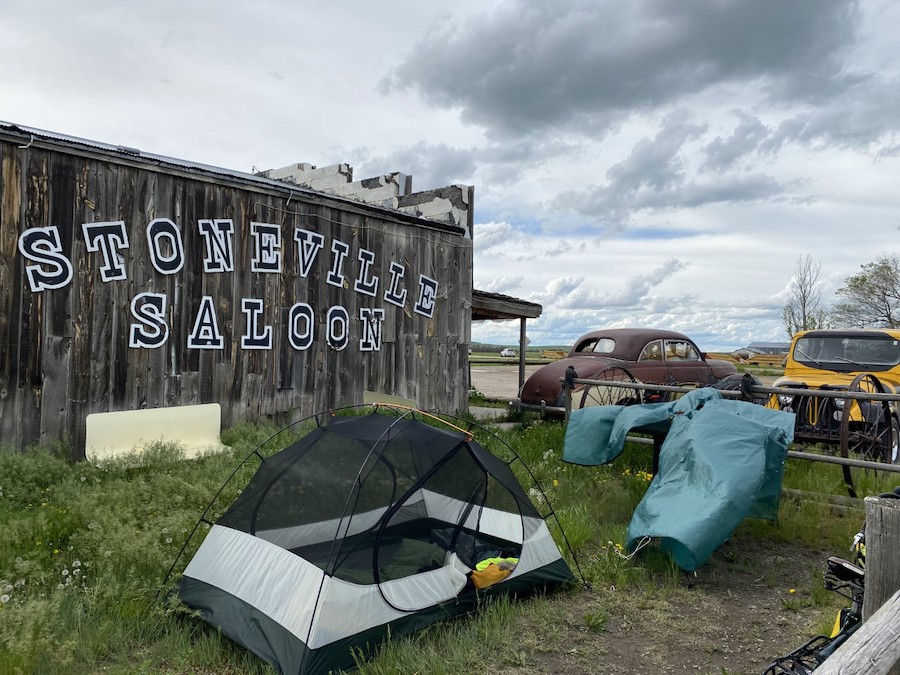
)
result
[(724, 153), (505, 285), (530, 66), (657, 176), (431, 166), (864, 117), (578, 293), (491, 237), (656, 164)]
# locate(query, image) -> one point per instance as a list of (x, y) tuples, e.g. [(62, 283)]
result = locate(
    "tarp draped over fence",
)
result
[(720, 462)]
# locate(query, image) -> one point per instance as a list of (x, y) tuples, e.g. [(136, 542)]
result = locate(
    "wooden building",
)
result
[(132, 281)]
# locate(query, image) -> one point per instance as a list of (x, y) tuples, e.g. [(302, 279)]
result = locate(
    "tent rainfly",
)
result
[(367, 525)]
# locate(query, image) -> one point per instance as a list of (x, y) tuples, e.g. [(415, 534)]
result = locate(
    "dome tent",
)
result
[(366, 526)]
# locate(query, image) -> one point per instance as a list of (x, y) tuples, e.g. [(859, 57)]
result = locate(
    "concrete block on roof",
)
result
[(451, 205), (286, 173), (324, 178), (381, 190)]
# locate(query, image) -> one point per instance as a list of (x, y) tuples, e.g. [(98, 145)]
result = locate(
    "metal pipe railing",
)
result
[(756, 391)]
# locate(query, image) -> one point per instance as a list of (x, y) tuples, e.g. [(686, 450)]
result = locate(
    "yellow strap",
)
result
[(482, 565)]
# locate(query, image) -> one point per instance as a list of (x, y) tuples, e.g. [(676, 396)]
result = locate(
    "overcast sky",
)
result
[(641, 163)]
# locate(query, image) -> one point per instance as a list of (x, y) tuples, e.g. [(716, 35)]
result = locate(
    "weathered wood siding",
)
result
[(64, 352)]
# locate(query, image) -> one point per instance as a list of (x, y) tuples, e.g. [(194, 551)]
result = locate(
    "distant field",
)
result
[(762, 364), (764, 360), (495, 359)]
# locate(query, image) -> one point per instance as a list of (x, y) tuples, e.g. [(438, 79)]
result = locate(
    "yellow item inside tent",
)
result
[(491, 570)]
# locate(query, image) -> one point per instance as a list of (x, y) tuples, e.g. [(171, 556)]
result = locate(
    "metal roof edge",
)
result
[(136, 155)]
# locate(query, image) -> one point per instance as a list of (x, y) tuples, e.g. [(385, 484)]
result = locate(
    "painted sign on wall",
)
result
[(49, 268)]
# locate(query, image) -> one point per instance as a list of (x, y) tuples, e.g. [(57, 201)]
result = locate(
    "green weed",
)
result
[(596, 621)]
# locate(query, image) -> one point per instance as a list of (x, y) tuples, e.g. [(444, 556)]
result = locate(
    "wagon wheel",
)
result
[(599, 394), (895, 441), (867, 429)]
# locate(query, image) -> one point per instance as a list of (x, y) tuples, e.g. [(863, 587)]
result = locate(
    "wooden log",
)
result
[(874, 649), (834, 500)]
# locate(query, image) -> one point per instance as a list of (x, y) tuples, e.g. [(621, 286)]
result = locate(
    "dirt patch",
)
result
[(735, 615)]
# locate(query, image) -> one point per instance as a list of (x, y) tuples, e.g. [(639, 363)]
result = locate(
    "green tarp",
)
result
[(721, 461)]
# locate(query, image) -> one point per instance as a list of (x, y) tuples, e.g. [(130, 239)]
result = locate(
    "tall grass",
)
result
[(86, 548)]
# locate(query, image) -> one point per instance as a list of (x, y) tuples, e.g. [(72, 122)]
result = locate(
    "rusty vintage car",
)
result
[(629, 355)]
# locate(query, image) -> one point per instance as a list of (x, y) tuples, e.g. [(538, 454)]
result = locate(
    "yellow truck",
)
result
[(853, 360)]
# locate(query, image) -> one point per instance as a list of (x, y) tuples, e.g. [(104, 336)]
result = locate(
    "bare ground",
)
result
[(735, 615)]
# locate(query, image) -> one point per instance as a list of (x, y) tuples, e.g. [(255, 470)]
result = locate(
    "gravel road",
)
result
[(498, 382)]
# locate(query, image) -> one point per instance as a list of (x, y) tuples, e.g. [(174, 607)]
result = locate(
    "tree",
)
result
[(871, 298), (803, 310)]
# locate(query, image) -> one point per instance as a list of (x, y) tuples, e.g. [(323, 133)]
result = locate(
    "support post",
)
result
[(522, 338)]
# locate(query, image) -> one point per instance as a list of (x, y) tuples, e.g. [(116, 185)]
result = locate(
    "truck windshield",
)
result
[(848, 353)]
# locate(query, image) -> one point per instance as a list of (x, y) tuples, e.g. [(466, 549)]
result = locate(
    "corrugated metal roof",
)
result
[(495, 306)]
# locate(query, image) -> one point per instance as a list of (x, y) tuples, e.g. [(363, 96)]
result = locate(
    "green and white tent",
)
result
[(366, 526)]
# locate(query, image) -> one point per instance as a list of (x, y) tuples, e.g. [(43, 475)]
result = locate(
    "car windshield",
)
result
[(848, 353)]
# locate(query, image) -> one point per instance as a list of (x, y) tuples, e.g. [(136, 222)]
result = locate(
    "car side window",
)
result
[(693, 354), (651, 352), (604, 346), (679, 350), (586, 346)]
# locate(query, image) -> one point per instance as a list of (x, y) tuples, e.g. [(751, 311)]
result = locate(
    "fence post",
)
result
[(882, 555), (882, 552), (568, 386)]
